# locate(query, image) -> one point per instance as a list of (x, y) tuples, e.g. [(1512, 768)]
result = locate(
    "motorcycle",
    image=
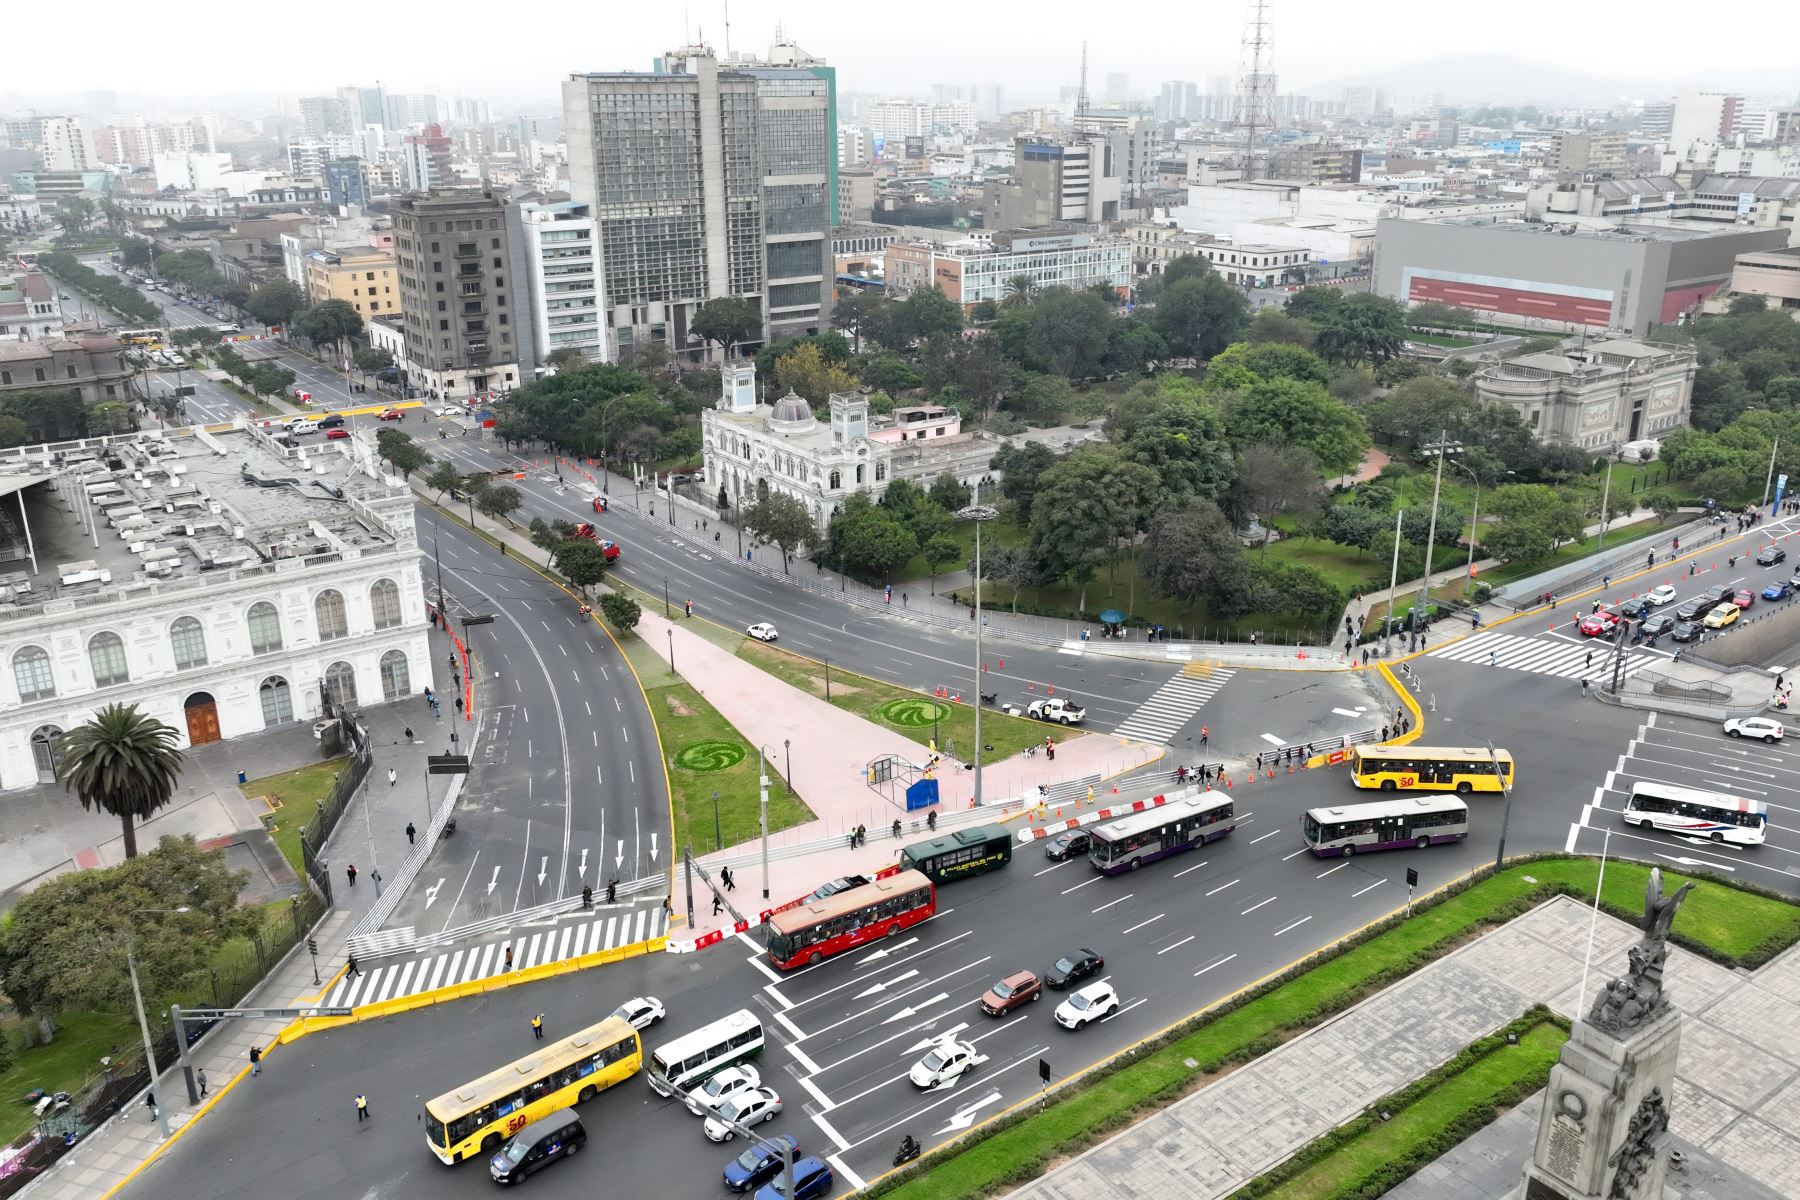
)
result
[(909, 1150), (990, 699)]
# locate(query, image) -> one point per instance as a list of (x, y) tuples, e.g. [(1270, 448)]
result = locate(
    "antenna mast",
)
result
[(1081, 93), (1256, 85)]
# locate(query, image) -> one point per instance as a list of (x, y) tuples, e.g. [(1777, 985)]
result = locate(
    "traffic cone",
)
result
[(1227, 784), (1272, 772)]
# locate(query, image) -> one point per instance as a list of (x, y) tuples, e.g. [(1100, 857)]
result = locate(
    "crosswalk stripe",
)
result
[(450, 976), (1172, 705), (562, 947), (1557, 659), (610, 922)]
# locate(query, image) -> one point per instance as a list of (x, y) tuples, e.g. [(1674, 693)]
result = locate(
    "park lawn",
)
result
[(1351, 570), (1429, 1117), (706, 754), (1618, 535), (1439, 339), (82, 1040), (906, 711), (1630, 482), (994, 533), (1731, 922), (298, 791)]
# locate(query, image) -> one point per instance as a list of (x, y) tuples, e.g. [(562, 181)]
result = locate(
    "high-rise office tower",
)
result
[(456, 275), (706, 181), (365, 106), (320, 115)]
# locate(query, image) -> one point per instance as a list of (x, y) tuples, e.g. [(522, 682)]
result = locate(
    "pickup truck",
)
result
[(1058, 710)]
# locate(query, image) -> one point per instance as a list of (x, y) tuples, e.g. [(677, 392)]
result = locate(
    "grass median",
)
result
[(294, 796), (1725, 923), (707, 757)]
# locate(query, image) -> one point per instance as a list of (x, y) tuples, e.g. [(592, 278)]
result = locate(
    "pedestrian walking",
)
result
[(451, 663), (411, 833), (393, 778), (1384, 733), (537, 1027), (1493, 659), (1049, 749), (862, 835), (902, 599), (1589, 660), (587, 896), (729, 879), (931, 820), (1205, 734), (690, 608), (612, 890), (350, 967), (150, 1104), (256, 1060), (200, 1078), (350, 871), (409, 733), (717, 904), (362, 1108), (1606, 581), (1584, 685), (896, 829), (507, 964)]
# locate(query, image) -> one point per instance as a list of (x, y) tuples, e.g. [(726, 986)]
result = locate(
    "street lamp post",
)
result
[(980, 514), (671, 632), (1387, 624), (762, 783), (718, 837), (1442, 447), (787, 763), (137, 999), (1505, 812)]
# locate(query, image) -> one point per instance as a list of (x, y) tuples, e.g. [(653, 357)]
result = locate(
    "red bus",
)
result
[(808, 933)]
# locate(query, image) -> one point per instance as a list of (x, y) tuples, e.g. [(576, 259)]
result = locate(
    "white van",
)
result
[(301, 425)]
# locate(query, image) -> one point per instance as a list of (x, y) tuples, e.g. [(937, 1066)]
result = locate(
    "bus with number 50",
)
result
[(1431, 769), (478, 1116)]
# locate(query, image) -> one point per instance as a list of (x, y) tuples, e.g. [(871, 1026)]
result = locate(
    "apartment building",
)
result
[(457, 279)]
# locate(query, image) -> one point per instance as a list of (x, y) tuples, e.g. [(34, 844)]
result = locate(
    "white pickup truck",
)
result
[(1058, 710)]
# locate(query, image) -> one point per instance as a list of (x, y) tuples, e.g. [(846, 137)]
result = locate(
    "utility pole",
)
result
[(1387, 626), (1441, 447), (1605, 500), (980, 514), (1770, 478)]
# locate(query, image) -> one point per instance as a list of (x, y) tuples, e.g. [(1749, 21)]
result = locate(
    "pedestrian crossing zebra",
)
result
[(1543, 656), (1173, 705), (607, 929)]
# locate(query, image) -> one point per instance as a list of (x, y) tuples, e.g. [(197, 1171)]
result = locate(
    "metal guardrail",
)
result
[(1625, 561)]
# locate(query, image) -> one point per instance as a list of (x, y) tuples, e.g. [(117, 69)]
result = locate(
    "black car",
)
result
[(842, 883), (1072, 968), (1687, 631), (1071, 843), (1693, 610), (1723, 594), (759, 1164), (1768, 556), (331, 422), (1634, 609), (1656, 626)]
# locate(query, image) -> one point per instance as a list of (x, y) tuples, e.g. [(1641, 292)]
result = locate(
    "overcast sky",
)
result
[(517, 54)]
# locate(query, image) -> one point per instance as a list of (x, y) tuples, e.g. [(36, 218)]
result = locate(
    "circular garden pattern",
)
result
[(710, 756), (913, 713)]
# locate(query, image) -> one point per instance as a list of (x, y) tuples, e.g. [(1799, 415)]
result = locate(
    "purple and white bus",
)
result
[(1384, 825), (1183, 823)]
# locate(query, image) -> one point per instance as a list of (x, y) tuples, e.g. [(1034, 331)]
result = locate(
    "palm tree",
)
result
[(121, 762), (1019, 291)]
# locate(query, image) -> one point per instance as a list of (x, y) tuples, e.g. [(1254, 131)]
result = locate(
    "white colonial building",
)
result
[(784, 445), (224, 584)]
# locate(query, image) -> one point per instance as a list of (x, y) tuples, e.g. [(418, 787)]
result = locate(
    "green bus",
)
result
[(961, 854)]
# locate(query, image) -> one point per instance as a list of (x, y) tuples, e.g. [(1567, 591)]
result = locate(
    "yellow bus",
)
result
[(1431, 768), (476, 1117)]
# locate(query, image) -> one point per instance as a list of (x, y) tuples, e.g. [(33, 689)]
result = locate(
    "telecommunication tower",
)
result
[(1256, 84)]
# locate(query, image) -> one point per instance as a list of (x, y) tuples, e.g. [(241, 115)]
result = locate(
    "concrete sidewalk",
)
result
[(1737, 1092)]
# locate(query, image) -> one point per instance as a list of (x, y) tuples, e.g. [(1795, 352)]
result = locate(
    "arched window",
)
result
[(106, 654), (880, 471), (277, 701), (837, 479), (189, 642), (384, 602), (46, 752), (859, 474), (265, 628), (31, 671), (328, 612), (340, 684), (396, 676)]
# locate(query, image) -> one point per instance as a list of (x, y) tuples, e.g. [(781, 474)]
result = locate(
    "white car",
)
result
[(1767, 728), (1661, 594), (948, 1061), (720, 1088), (762, 631), (450, 410), (751, 1107), (1087, 1004), (641, 1011)]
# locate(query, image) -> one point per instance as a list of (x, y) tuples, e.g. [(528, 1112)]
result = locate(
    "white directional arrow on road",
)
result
[(581, 871), (432, 891), (543, 869), (965, 1117), (885, 985), (619, 858), (494, 882), (887, 950), (928, 1043), (912, 1012), (1698, 862), (653, 847)]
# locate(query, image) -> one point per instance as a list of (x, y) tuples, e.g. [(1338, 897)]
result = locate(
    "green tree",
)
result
[(329, 321), (1131, 346), (1086, 504), (109, 416), (1021, 290), (1199, 317), (275, 303), (1185, 266), (1272, 360), (1663, 503), (928, 313), (949, 493), (1532, 520), (1303, 414), (13, 431), (806, 372), (443, 478), (890, 373), (1314, 304), (859, 312), (402, 453), (1272, 326), (64, 945), (121, 762), (272, 379), (1183, 441), (191, 269), (640, 444), (1740, 305), (729, 321), (1021, 467), (499, 501), (971, 365), (564, 357), (1193, 555), (370, 359), (782, 520), (984, 310), (581, 562), (869, 540), (1068, 332), (134, 252), (621, 611), (1275, 479), (940, 552), (1363, 328), (74, 213)]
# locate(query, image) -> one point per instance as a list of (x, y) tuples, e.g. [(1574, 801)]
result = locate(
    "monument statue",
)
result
[(1632, 1161), (1637, 996)]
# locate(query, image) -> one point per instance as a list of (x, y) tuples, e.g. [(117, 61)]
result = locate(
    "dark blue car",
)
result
[(1780, 590), (759, 1164), (812, 1180)]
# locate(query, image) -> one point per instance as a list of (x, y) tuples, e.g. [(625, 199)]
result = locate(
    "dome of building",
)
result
[(791, 414)]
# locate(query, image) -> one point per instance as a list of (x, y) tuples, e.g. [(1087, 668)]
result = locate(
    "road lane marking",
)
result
[(1332, 870), (1079, 886), (1151, 921), (1223, 886), (799, 1034), (1376, 884), (777, 996), (1120, 900), (834, 1135), (1295, 925), (1178, 945), (1256, 906), (1190, 870), (1209, 966), (825, 1104), (1295, 854), (856, 1181), (1265, 837), (1054, 867)]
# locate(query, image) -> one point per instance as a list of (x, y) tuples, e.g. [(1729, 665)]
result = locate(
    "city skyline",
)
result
[(1030, 51)]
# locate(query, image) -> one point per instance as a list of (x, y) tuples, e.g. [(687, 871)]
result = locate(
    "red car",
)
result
[(1743, 598), (1599, 623), (610, 550), (335, 432), (1021, 987), (391, 414)]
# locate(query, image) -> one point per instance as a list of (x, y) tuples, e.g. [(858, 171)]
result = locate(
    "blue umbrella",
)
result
[(1112, 616)]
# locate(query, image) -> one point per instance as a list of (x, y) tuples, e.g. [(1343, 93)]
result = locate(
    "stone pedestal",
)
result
[(1604, 1131)]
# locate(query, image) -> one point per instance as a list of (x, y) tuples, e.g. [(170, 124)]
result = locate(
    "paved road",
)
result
[(568, 787)]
